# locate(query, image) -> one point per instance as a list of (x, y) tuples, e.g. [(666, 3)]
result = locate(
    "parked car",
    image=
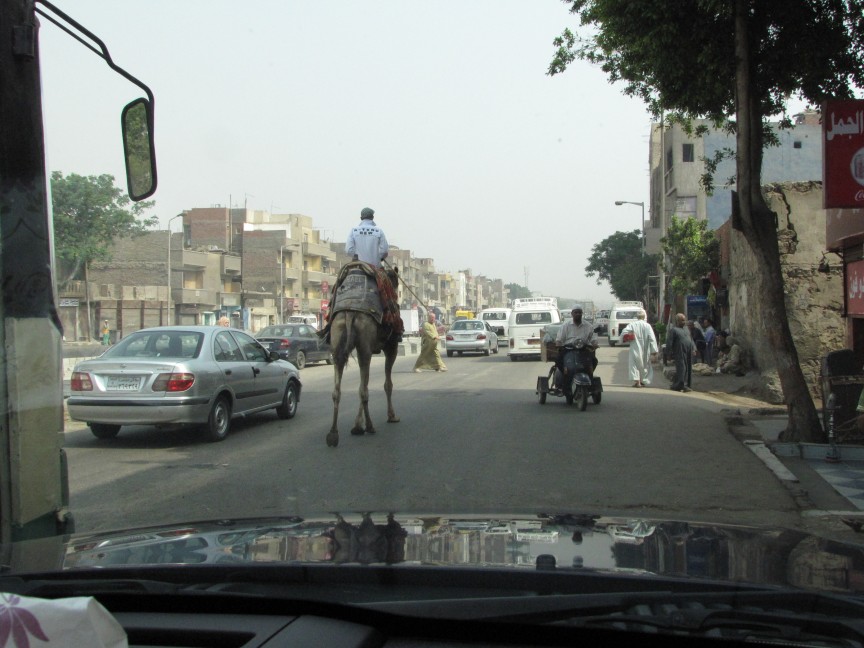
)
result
[(471, 335), (200, 375), (296, 343)]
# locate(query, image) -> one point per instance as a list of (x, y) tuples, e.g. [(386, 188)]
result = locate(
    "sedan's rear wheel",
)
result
[(300, 360), (290, 400), (104, 431), (487, 350), (219, 421), (449, 354)]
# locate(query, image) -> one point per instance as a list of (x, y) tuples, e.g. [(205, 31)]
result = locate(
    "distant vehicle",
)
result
[(463, 314), (620, 316), (527, 319), (471, 335), (169, 375), (299, 344), (303, 318), (498, 318), (601, 322)]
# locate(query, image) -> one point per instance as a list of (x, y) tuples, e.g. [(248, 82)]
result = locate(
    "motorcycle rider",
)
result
[(570, 333)]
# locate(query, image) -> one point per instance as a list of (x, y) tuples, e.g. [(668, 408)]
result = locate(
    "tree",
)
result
[(718, 59), (692, 251), (516, 291), (89, 213), (618, 259)]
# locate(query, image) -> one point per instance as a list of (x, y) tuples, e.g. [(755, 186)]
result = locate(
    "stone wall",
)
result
[(814, 300)]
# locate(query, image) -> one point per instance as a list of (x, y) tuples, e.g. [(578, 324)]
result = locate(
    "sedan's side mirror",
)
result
[(274, 355), (138, 149)]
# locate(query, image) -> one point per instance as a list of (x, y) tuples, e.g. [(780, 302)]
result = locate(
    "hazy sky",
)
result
[(438, 115)]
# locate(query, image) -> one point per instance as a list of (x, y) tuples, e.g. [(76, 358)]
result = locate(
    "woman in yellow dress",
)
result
[(429, 357)]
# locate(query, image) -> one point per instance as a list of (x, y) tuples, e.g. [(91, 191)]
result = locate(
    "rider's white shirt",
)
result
[(368, 242), (570, 332)]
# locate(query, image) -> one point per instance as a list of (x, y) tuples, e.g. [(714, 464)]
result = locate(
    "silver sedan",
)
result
[(169, 375), (471, 335)]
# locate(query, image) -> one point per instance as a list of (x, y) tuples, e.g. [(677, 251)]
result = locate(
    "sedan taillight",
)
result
[(481, 336), (81, 381), (284, 344), (173, 382), (449, 337)]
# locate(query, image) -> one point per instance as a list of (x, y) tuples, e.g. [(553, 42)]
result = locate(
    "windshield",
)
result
[(270, 331), (543, 317), (157, 344), (467, 325), (468, 158)]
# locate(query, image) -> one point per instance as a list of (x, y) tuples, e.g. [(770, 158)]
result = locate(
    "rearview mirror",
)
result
[(138, 149)]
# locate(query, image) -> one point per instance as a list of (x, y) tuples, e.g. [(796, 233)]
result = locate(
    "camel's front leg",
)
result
[(363, 422), (333, 435), (389, 361)]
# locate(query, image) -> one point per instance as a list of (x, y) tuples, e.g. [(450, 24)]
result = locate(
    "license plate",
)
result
[(532, 341), (123, 383)]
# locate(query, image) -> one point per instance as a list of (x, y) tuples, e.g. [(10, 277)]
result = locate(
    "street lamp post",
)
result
[(168, 300), (642, 226), (281, 282)]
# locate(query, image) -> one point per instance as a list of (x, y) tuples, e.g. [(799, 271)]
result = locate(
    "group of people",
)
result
[(685, 342)]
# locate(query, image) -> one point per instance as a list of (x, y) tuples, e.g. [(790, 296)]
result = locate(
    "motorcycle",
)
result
[(575, 383)]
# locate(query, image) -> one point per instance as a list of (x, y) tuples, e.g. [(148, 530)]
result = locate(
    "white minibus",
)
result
[(528, 317), (620, 316), (498, 319)]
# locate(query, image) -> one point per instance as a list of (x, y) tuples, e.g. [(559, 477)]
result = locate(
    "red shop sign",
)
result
[(843, 154)]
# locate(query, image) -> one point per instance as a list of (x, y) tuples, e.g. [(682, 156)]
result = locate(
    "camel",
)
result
[(360, 332)]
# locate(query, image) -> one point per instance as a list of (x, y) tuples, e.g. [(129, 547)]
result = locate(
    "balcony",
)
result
[(315, 278), (230, 299), (292, 274), (198, 296), (318, 250), (190, 260), (73, 289), (230, 264)]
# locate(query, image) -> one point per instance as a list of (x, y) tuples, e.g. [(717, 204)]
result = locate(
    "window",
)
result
[(796, 144), (687, 153), (534, 318), (685, 206), (225, 349), (253, 350)]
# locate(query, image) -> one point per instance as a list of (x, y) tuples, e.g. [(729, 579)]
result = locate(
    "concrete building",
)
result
[(677, 162)]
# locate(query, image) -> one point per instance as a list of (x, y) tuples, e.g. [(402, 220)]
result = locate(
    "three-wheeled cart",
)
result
[(549, 353)]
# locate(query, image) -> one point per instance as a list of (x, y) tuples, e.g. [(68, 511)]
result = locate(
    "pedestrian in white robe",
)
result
[(642, 348)]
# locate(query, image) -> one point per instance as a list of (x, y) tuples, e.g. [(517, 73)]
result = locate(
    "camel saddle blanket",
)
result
[(357, 290)]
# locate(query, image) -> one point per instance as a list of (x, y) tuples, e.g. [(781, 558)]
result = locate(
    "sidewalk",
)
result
[(805, 468)]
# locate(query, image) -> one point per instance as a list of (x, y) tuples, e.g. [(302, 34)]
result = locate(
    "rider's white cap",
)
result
[(577, 307)]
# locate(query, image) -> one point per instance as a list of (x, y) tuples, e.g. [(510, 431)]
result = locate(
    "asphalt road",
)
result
[(472, 440)]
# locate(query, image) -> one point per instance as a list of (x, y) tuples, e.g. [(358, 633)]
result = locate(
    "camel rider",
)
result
[(367, 243), (575, 330)]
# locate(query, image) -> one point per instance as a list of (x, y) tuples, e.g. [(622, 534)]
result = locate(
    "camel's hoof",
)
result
[(371, 430), (333, 439), (393, 419), (356, 431)]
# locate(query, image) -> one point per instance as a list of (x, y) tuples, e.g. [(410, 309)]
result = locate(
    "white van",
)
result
[(498, 319), (620, 316), (303, 318), (528, 317)]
